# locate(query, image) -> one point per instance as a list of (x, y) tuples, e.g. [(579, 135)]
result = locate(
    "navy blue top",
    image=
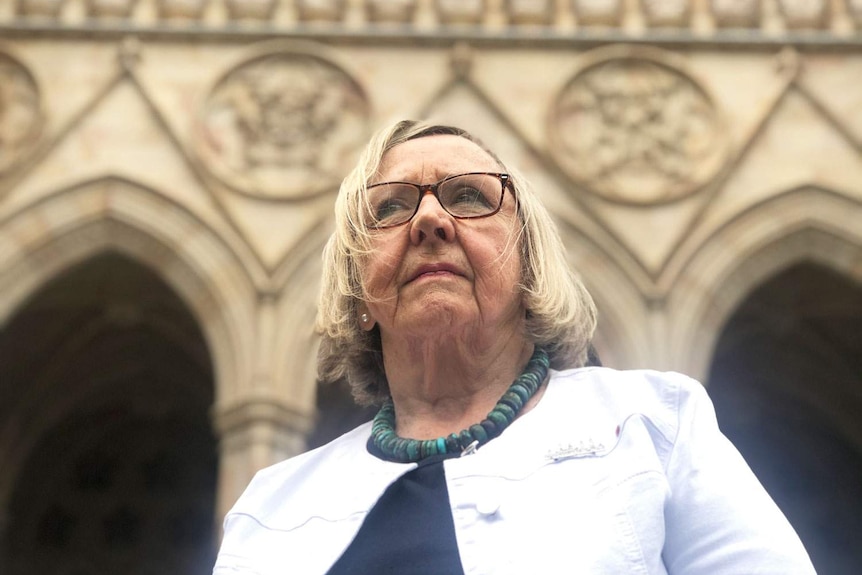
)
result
[(409, 531)]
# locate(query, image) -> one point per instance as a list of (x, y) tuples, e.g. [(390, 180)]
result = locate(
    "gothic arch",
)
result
[(804, 224), (112, 214), (105, 368)]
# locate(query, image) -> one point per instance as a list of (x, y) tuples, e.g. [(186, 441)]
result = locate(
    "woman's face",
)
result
[(438, 275)]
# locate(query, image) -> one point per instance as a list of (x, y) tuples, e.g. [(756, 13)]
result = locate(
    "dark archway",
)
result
[(786, 380), (106, 446)]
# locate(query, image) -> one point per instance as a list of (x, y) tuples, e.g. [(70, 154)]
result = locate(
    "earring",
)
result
[(364, 318)]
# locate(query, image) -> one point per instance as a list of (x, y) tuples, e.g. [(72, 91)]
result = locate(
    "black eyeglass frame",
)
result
[(505, 181)]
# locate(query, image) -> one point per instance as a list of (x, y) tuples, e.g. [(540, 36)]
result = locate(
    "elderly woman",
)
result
[(448, 301)]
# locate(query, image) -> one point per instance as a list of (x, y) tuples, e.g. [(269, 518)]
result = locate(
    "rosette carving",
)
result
[(632, 127), (281, 125)]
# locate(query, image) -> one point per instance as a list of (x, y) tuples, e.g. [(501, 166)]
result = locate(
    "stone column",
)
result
[(254, 434)]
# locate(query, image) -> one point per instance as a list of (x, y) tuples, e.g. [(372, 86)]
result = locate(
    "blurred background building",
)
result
[(167, 175)]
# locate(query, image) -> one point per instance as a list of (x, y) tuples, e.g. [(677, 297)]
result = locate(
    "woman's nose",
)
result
[(431, 221)]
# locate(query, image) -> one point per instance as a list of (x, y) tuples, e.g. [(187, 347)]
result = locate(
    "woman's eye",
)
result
[(389, 208), (470, 196)]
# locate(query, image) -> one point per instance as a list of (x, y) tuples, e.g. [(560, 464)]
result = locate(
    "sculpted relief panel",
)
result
[(20, 112), (279, 125), (632, 127)]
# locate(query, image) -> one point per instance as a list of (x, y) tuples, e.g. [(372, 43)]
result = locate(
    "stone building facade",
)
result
[(167, 176)]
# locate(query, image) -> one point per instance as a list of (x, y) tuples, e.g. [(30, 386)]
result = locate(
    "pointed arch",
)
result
[(43, 239), (804, 224)]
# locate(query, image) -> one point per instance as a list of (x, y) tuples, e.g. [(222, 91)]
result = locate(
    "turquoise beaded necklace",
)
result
[(386, 442)]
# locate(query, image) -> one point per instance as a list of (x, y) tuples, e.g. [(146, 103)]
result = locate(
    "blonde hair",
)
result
[(561, 316)]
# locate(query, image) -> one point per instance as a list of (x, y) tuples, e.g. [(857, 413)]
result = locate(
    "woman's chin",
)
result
[(437, 315)]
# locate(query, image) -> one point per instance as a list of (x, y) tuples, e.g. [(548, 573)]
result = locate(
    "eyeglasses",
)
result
[(472, 195)]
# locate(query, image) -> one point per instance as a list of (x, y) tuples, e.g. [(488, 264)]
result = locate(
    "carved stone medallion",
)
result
[(632, 127), (282, 125), (20, 112)]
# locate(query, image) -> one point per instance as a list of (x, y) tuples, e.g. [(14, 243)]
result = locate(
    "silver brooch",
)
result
[(570, 451), (470, 449)]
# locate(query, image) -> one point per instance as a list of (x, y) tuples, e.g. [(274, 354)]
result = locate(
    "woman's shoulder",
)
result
[(663, 397), (276, 486), (331, 482), (334, 450), (640, 381)]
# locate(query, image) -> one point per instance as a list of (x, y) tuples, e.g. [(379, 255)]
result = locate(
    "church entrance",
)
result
[(107, 455), (786, 380)]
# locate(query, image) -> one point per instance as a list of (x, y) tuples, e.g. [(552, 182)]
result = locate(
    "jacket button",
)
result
[(487, 506)]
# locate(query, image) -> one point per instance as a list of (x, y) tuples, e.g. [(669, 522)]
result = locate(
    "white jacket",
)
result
[(612, 472)]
